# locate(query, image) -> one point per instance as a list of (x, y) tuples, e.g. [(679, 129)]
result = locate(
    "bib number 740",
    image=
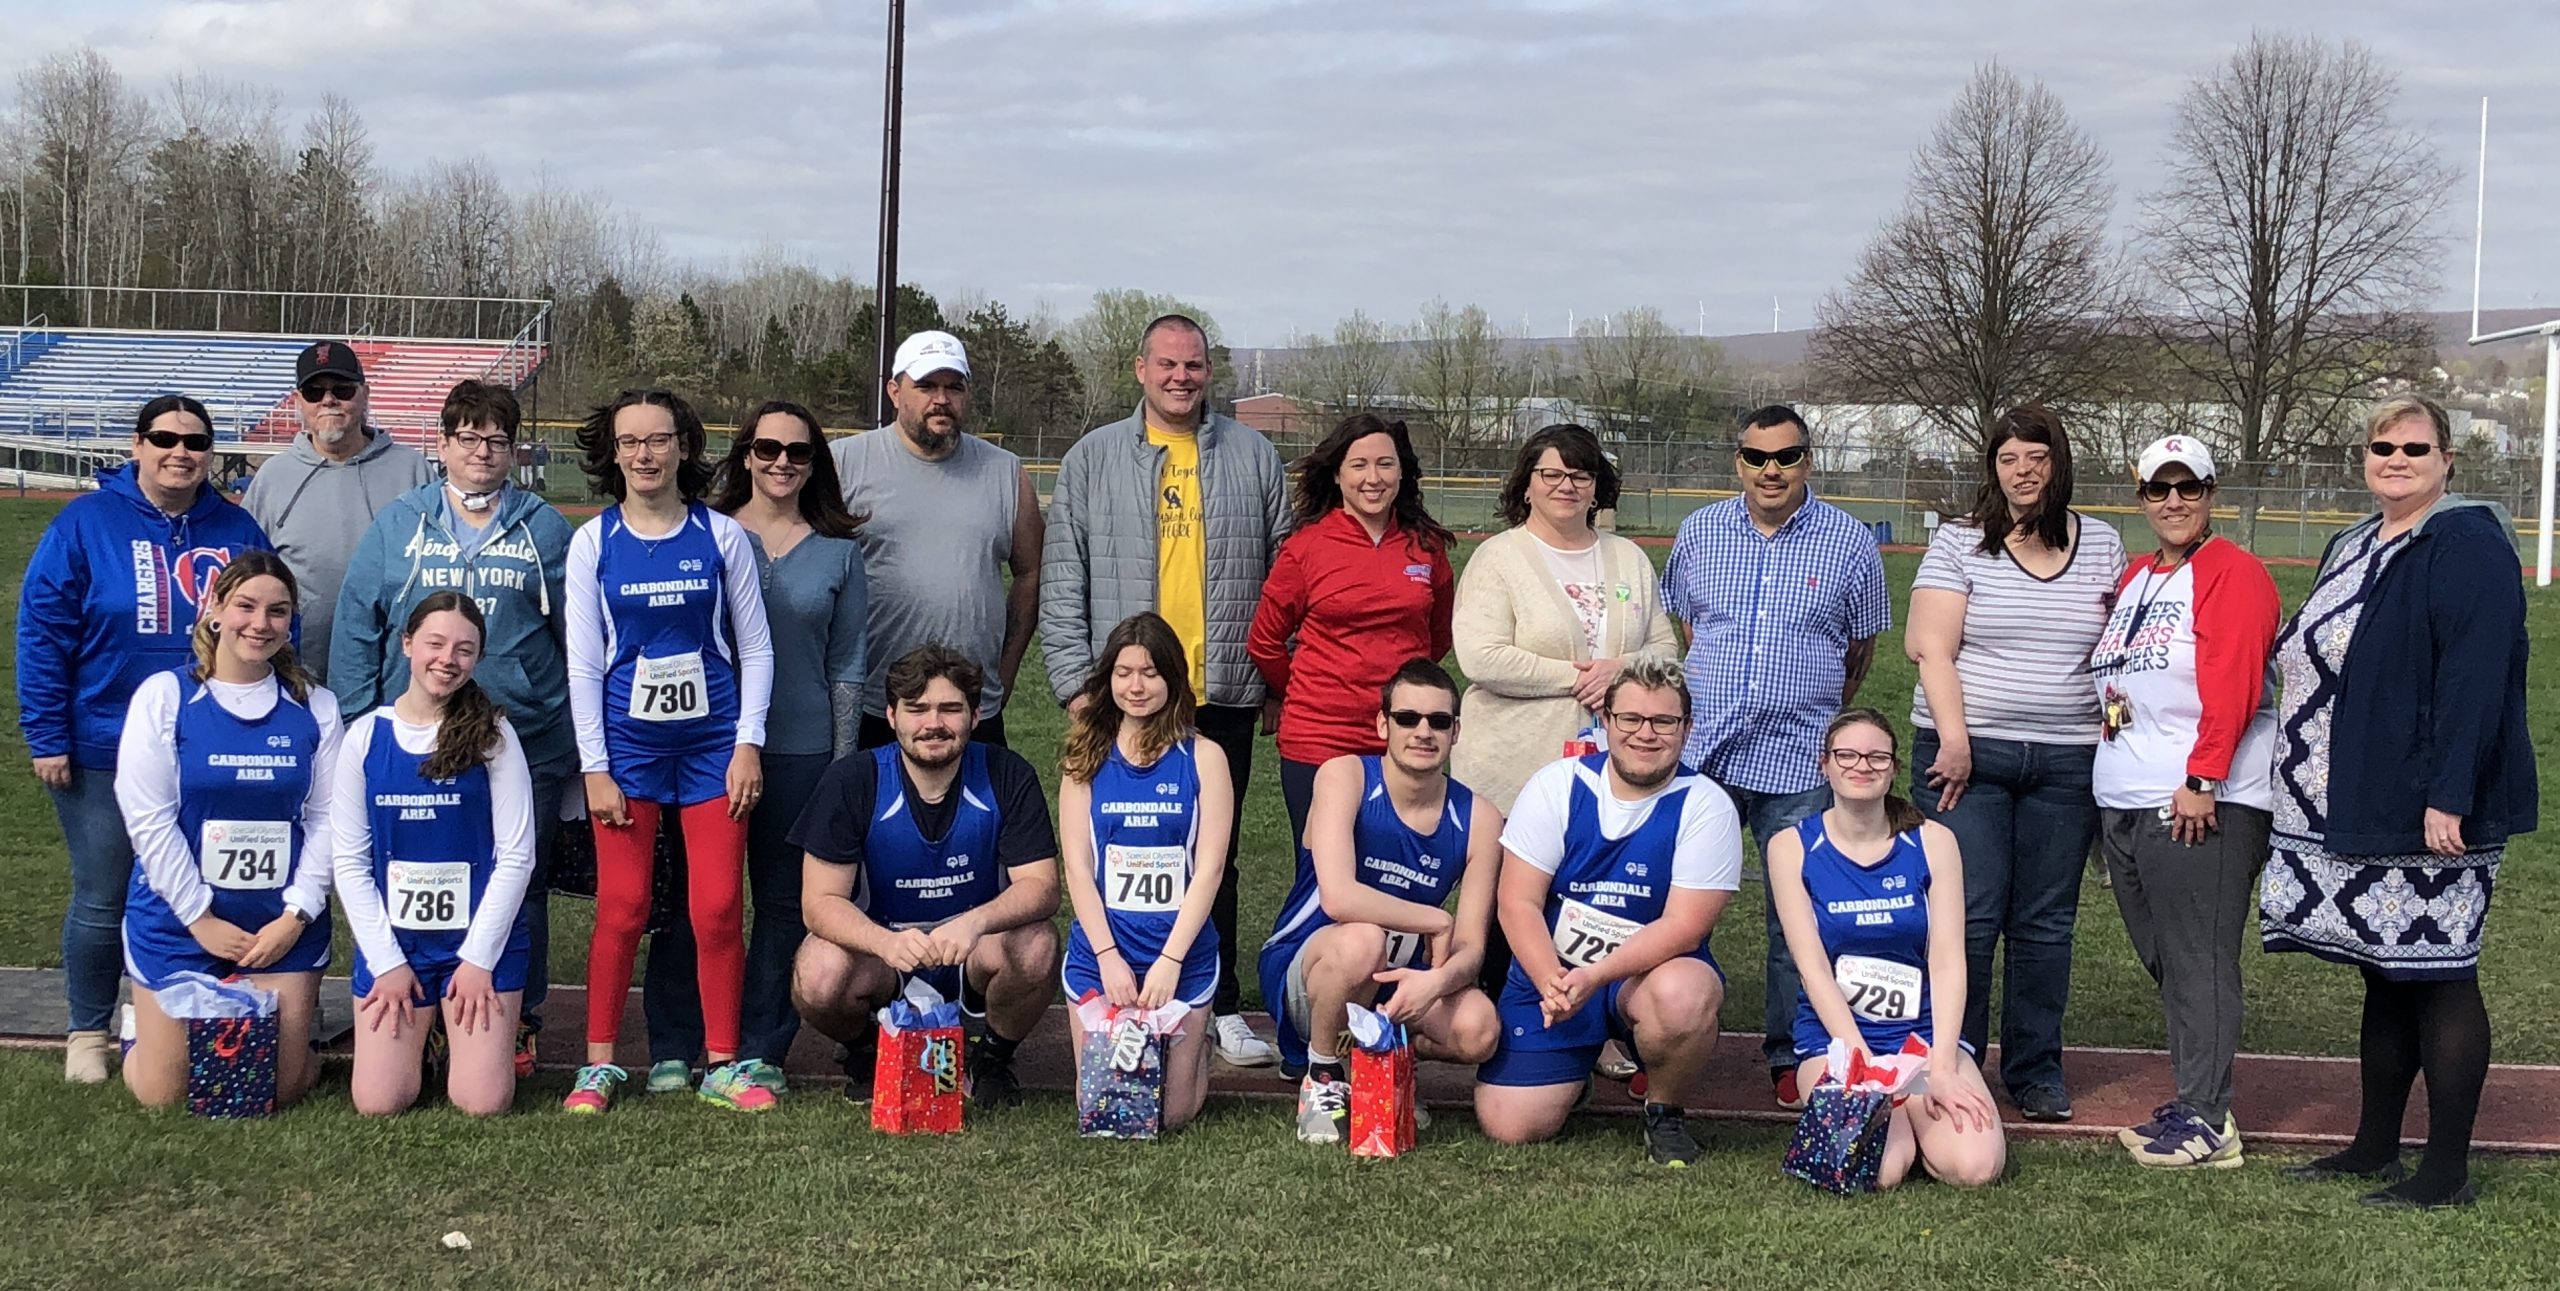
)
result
[(1144, 880)]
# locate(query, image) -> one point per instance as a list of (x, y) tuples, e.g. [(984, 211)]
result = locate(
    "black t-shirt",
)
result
[(837, 820)]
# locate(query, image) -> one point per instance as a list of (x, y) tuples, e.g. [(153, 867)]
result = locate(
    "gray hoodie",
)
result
[(315, 511)]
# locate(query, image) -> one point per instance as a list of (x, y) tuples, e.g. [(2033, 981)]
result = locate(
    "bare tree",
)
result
[(1350, 371), (1462, 375), (85, 137), (2294, 241), (1992, 286), (330, 200), (1646, 379)]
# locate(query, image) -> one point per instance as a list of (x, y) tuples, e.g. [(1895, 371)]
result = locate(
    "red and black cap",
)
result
[(327, 358)]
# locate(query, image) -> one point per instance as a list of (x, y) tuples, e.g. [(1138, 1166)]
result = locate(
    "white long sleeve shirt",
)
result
[(351, 818), (591, 654), (147, 793)]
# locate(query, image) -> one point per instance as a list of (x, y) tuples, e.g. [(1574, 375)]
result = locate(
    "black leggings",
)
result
[(2442, 1029)]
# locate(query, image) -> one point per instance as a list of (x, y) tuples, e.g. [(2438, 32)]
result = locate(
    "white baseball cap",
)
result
[(2186, 450), (926, 353)]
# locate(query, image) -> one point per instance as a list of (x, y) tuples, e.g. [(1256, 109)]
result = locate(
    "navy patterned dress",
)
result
[(2413, 917)]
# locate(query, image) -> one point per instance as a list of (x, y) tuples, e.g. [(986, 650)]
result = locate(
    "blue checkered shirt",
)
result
[(1771, 619)]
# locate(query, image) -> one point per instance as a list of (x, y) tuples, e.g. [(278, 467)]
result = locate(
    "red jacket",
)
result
[(1358, 610)]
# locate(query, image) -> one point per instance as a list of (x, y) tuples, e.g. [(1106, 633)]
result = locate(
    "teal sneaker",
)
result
[(734, 1086), (593, 1091), (673, 1076)]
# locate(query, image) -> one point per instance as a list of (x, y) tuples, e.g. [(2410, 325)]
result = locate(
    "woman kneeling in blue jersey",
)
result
[(1872, 900), (1143, 815), (434, 821), (223, 775)]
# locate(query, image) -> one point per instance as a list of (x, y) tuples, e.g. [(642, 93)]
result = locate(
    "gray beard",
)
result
[(932, 444)]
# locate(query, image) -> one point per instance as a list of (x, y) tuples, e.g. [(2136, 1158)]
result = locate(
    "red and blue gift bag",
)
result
[(1839, 1142), (1120, 1069), (232, 1036), (915, 1082), (1382, 1097)]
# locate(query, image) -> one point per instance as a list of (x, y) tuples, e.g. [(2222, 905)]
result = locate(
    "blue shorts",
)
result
[(435, 972), (153, 967), (1530, 1054), (1083, 977), (682, 779)]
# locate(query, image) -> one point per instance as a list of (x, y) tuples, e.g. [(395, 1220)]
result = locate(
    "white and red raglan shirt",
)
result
[(2188, 651)]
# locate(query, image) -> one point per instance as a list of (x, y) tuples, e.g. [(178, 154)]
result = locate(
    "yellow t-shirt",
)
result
[(1182, 550)]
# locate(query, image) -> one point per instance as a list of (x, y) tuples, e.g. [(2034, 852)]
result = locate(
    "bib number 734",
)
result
[(245, 855)]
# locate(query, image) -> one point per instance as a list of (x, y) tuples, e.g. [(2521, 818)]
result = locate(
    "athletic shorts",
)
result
[(682, 779), (153, 969), (1082, 977), (1530, 1054)]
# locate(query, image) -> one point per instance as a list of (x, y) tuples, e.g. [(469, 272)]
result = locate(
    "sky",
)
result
[(1283, 162)]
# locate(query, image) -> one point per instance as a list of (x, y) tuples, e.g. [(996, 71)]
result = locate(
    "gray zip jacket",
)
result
[(315, 511), (1099, 563)]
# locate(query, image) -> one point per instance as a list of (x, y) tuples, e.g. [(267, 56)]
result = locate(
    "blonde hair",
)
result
[(2398, 408), (297, 680)]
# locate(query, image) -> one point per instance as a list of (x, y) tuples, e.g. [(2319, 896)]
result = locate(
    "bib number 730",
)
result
[(672, 689)]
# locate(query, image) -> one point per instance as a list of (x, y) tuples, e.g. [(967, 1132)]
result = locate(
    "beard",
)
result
[(935, 442), (908, 745), (1648, 781)]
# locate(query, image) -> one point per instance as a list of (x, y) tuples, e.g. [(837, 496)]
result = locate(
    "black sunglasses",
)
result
[(193, 443), (342, 391), (1408, 719), (1759, 458), (768, 449), (2159, 490), (2385, 448)]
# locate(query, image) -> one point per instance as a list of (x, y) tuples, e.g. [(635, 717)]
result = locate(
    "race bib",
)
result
[(245, 855), (1585, 936), (428, 896), (1144, 880), (1402, 947), (1879, 990), (670, 690)]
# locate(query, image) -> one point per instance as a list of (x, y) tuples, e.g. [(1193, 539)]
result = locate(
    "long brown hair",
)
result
[(1319, 486), (468, 736), (297, 679), (821, 495), (1091, 733), (1899, 815), (2050, 519)]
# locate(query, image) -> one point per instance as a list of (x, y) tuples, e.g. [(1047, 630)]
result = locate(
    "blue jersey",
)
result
[(910, 881), (1387, 854), (1145, 827), (671, 670), (241, 787), (1874, 921), (434, 849)]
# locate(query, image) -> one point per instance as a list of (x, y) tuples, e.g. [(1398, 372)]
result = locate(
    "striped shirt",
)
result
[(1771, 618), (2024, 663)]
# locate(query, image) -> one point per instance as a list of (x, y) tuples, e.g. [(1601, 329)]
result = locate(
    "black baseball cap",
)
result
[(327, 358)]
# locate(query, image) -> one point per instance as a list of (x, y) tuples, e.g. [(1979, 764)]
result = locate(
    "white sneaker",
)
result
[(1237, 1045), (1323, 1107), (85, 1058)]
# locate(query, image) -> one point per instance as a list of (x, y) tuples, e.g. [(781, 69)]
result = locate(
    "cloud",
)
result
[(1283, 163)]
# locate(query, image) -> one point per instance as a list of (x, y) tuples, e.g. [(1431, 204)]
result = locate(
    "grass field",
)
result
[(104, 1195)]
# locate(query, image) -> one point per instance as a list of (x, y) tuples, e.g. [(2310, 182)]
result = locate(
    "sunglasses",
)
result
[(323, 391), (1408, 719), (799, 452), (1758, 459), (2159, 491), (2385, 448), (193, 443)]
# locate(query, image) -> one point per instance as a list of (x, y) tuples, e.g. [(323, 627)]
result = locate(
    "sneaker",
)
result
[(733, 1085), (2339, 1166), (1421, 1118), (1615, 1063), (670, 1076), (435, 1065), (2401, 1197), (767, 1075), (859, 1063), (2044, 1103), (1790, 1094), (526, 1045), (84, 1057), (1666, 1137), (1639, 1085), (993, 1085), (2162, 1117), (2189, 1142), (1237, 1045), (593, 1090), (1324, 1108)]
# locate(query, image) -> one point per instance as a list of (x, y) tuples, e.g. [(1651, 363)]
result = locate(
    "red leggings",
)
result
[(715, 860)]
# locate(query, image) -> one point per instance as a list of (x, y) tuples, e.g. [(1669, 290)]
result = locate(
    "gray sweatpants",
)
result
[(2187, 909)]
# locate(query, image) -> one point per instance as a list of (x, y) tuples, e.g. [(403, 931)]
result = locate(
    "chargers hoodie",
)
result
[(410, 552), (110, 598), (316, 509)]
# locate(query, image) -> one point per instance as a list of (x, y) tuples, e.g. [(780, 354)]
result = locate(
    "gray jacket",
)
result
[(1099, 563), (316, 511)]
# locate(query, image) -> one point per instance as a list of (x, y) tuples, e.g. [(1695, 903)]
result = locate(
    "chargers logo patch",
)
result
[(162, 584)]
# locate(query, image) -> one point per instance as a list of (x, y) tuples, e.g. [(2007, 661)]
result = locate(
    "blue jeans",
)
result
[(2025, 824), (671, 999), (93, 925), (1767, 815), (551, 780)]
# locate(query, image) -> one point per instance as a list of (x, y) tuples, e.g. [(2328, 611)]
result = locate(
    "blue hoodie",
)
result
[(111, 598), (411, 552)]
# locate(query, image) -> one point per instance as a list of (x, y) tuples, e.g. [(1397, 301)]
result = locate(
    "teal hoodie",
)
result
[(411, 552)]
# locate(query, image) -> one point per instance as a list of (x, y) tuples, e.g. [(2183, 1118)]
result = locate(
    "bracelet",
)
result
[(1113, 949)]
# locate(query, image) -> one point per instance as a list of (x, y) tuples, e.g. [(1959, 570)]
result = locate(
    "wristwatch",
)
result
[(2198, 784)]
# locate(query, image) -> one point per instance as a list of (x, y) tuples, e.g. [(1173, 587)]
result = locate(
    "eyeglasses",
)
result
[(193, 442), (1851, 759), (324, 391), (768, 449), (1662, 723), (1758, 459), (2386, 447), (473, 445), (657, 443), (1408, 719), (1556, 479), (2191, 490)]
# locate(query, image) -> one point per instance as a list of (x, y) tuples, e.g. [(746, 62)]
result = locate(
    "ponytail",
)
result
[(207, 636), (1900, 816), (469, 735)]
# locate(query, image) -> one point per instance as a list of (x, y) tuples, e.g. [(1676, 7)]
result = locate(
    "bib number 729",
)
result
[(1584, 936)]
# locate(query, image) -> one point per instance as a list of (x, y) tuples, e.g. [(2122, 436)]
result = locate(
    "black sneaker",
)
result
[(1666, 1137), (858, 1064), (2044, 1103), (993, 1085), (2340, 1166)]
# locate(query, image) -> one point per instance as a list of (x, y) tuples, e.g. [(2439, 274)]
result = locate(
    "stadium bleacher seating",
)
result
[(86, 384)]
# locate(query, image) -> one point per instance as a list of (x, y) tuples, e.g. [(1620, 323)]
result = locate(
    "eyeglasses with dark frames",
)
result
[(1662, 723)]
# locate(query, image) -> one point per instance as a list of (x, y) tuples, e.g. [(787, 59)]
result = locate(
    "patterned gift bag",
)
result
[(1120, 1072), (1839, 1142), (915, 1081), (232, 1037), (1382, 1097)]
